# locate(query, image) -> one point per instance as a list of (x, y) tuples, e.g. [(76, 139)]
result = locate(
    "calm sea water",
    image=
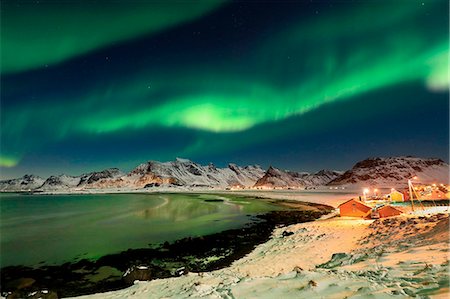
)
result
[(52, 229)]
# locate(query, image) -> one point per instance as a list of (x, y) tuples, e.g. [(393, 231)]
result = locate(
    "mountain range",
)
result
[(277, 178), (183, 173)]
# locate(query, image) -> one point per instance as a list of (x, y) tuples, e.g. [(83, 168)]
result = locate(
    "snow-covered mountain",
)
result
[(26, 183), (393, 172), (59, 182), (84, 181), (94, 177), (183, 173), (320, 178), (276, 178)]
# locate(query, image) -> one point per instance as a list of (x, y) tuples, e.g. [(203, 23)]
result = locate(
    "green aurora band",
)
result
[(48, 32), (224, 100)]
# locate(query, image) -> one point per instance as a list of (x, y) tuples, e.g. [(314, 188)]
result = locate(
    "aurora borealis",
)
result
[(298, 84)]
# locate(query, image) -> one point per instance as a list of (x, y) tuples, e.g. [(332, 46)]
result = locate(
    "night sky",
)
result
[(302, 85)]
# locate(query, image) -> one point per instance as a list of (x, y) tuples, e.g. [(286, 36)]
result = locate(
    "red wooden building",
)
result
[(388, 211), (354, 208)]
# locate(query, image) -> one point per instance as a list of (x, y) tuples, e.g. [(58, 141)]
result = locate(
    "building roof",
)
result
[(388, 206), (395, 191), (360, 202)]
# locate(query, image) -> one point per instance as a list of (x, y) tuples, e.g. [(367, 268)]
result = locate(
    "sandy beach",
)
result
[(333, 257)]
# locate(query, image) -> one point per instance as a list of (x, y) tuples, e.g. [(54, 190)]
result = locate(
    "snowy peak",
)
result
[(94, 177), (321, 178), (272, 171), (60, 182), (393, 171), (183, 172), (183, 161), (25, 183), (418, 164), (276, 178)]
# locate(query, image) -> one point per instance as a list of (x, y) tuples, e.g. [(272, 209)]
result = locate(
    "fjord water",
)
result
[(53, 229)]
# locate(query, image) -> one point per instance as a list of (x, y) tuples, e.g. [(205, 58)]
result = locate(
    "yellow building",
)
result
[(395, 196)]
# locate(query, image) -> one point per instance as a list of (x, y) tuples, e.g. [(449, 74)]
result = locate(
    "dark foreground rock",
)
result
[(116, 271)]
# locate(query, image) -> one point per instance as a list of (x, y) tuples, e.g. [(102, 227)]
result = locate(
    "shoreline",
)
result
[(118, 271), (399, 257), (332, 257), (327, 196)]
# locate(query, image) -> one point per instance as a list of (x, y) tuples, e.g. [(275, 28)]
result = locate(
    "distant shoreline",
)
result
[(243, 192)]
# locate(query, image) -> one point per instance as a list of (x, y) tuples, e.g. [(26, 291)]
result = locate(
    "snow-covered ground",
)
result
[(396, 257), (330, 258)]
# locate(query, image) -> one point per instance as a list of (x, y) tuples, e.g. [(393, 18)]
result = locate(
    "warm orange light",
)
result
[(366, 190), (415, 178)]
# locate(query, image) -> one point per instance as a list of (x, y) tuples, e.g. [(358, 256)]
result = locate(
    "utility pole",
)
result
[(411, 194)]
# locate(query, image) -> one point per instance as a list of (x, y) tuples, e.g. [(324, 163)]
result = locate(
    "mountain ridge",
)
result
[(377, 171), (184, 173)]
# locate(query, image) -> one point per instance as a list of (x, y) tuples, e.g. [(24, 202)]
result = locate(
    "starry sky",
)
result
[(302, 85)]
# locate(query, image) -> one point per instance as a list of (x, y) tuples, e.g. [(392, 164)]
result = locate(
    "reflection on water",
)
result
[(178, 210), (58, 228)]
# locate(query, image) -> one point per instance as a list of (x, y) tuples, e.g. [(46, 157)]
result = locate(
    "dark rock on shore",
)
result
[(21, 283), (287, 234), (137, 273), (39, 294)]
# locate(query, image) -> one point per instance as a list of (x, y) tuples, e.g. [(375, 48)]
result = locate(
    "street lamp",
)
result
[(365, 191)]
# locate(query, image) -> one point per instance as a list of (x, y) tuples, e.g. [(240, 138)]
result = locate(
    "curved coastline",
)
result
[(117, 271)]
